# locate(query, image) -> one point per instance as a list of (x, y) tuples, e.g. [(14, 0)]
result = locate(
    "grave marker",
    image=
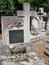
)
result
[(27, 14), (41, 13), (13, 24)]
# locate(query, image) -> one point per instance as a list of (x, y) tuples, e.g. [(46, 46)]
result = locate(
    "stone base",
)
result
[(4, 49), (20, 49), (46, 52), (47, 47), (47, 32)]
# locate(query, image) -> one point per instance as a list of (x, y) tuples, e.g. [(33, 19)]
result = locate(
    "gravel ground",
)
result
[(39, 49)]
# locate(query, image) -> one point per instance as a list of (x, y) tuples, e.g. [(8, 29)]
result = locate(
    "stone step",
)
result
[(47, 52), (47, 41), (47, 47), (47, 33), (47, 44)]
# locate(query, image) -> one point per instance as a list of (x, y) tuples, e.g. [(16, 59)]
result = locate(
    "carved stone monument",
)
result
[(16, 32), (16, 29), (40, 14)]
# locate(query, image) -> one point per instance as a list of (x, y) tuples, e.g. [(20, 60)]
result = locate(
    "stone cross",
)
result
[(41, 13), (26, 13)]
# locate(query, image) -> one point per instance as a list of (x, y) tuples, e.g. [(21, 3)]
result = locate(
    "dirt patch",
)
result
[(39, 49)]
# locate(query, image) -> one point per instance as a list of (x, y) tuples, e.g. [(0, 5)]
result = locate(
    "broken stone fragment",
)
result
[(20, 49)]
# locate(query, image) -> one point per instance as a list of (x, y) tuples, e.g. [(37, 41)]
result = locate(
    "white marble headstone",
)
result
[(11, 23)]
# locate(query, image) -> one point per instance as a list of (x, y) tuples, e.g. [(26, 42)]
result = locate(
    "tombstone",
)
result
[(19, 24), (29, 14), (40, 14), (11, 26), (16, 29)]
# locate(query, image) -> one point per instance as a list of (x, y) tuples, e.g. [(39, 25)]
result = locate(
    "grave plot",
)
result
[(16, 29)]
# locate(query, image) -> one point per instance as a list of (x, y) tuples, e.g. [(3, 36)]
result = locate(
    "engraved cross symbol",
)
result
[(40, 14)]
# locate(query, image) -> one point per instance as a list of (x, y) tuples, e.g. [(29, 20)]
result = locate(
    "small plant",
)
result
[(47, 63)]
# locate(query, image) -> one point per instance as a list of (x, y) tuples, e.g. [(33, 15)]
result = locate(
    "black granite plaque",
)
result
[(16, 36)]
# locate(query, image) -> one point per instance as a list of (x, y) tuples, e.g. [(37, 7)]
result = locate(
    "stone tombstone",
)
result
[(12, 29), (14, 23), (29, 14), (40, 14), (48, 22), (16, 29)]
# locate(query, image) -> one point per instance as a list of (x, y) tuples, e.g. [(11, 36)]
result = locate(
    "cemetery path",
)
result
[(39, 49)]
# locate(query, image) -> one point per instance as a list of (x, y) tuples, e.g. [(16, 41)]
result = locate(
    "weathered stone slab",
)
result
[(36, 62), (3, 49), (20, 49), (8, 63)]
